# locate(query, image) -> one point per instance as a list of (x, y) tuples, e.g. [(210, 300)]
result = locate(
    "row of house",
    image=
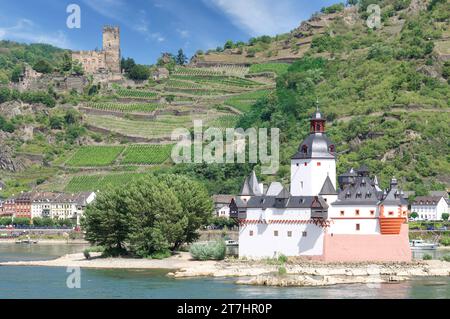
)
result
[(47, 205)]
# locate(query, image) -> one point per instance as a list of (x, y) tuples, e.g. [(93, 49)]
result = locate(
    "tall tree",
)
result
[(181, 58)]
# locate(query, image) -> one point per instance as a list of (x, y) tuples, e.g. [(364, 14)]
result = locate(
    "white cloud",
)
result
[(27, 31), (259, 17), (183, 33)]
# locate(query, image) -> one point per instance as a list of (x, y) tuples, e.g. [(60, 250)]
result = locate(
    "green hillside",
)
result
[(13, 55), (385, 93)]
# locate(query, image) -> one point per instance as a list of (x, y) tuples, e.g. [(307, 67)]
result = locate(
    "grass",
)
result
[(277, 68), (244, 102), (88, 156), (99, 182)]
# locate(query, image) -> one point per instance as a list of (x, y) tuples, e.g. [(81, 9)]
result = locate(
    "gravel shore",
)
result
[(298, 272)]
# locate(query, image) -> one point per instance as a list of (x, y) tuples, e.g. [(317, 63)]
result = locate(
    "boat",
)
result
[(231, 243), (419, 244)]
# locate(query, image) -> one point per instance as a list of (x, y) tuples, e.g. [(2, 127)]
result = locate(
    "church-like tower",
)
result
[(314, 161)]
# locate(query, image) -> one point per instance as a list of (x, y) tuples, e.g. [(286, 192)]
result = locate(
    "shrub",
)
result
[(86, 254), (282, 259), (446, 258), (427, 257), (282, 271), (209, 251), (445, 216), (445, 240), (161, 255)]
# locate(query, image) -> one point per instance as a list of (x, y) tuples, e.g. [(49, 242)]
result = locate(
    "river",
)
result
[(45, 282)]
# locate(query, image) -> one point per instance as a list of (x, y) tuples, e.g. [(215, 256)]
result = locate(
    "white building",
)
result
[(221, 205), (429, 207), (356, 221), (61, 205)]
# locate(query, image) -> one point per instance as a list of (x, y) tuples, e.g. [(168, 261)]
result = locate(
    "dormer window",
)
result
[(332, 148), (358, 195), (304, 149)]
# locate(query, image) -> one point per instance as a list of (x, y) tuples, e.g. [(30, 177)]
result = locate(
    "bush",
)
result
[(445, 216), (209, 251), (139, 72), (427, 257), (282, 271), (86, 254), (282, 259), (446, 258), (445, 240), (161, 255)]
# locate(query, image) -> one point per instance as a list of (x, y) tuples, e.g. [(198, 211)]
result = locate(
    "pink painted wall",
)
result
[(381, 248)]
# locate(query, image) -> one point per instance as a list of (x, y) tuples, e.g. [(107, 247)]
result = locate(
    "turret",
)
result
[(314, 161)]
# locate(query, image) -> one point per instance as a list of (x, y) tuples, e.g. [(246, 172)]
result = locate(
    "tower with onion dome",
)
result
[(315, 160)]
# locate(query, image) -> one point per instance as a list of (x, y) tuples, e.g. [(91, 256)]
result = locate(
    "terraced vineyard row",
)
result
[(243, 102), (221, 80), (136, 94), (147, 154), (124, 107), (183, 84), (217, 70), (89, 156)]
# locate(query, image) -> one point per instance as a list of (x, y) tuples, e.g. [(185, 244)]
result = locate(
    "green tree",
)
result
[(16, 73), (66, 64), (181, 57), (127, 64), (5, 94), (139, 73), (43, 66), (445, 216), (229, 44), (414, 215), (107, 222)]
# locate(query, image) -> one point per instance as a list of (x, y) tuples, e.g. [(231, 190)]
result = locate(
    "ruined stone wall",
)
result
[(92, 61), (111, 48)]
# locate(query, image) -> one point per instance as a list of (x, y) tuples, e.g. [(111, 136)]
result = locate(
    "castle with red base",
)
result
[(352, 221)]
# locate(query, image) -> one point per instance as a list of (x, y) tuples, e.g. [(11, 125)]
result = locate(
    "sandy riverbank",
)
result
[(298, 272)]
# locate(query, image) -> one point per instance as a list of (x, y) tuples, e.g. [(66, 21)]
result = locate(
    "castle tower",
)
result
[(314, 162), (111, 48)]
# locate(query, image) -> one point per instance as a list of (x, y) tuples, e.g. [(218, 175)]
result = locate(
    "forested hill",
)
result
[(385, 93), (13, 55)]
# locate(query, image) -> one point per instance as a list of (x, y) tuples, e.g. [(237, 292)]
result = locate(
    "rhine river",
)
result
[(45, 282)]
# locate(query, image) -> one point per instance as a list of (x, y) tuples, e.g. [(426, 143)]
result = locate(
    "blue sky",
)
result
[(149, 27)]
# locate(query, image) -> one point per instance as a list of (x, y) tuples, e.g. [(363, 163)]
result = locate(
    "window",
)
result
[(391, 213), (332, 148), (319, 163), (298, 164), (304, 149), (306, 164), (357, 212), (372, 212), (251, 233), (301, 185), (358, 227), (275, 233), (289, 233), (304, 234), (342, 213)]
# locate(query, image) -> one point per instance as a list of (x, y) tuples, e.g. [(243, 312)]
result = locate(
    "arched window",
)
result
[(304, 149), (318, 127)]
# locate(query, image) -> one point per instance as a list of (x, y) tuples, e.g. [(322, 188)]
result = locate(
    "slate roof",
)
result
[(328, 188), (222, 199), (362, 192), (291, 202), (426, 200), (251, 186), (274, 189), (317, 146)]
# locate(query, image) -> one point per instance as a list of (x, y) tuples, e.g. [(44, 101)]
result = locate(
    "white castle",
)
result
[(354, 221)]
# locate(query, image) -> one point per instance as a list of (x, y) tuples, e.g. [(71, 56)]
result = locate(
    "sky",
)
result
[(149, 27)]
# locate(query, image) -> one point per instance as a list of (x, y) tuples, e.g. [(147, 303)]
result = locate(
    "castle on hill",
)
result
[(106, 60), (349, 219)]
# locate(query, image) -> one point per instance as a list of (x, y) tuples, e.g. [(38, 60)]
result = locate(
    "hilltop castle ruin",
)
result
[(105, 61)]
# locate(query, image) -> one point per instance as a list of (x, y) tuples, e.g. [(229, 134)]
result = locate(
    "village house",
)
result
[(353, 221), (221, 205), (23, 205), (429, 207)]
